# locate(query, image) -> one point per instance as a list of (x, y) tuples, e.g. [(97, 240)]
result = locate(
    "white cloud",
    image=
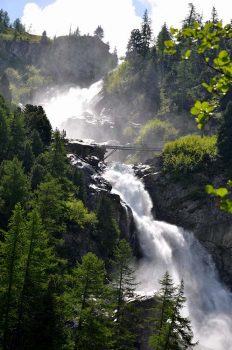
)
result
[(173, 12), (117, 17)]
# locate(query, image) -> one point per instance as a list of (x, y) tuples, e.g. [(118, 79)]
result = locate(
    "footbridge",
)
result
[(114, 148), (104, 151)]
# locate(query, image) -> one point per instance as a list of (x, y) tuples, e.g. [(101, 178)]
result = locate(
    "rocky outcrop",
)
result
[(80, 60), (183, 202), (77, 242), (93, 154)]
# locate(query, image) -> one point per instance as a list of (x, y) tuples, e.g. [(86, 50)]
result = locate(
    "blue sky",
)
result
[(15, 7)]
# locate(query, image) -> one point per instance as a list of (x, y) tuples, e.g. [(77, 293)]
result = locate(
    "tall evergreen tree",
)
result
[(134, 46), (146, 33), (40, 262), (11, 274), (172, 330), (107, 230), (58, 158), (99, 32), (88, 305), (17, 135), (51, 207), (123, 281), (4, 133), (14, 185)]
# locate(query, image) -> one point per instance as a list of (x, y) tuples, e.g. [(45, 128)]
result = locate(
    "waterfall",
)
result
[(169, 248), (63, 104)]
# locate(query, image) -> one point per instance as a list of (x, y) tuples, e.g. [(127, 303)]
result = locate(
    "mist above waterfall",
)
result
[(169, 248), (73, 109)]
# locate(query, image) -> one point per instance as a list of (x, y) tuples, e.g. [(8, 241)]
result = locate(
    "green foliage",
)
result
[(172, 330), (123, 283), (17, 135), (79, 214), (36, 119), (14, 185), (57, 156), (107, 230), (87, 300), (156, 131), (4, 133), (207, 40), (51, 206), (189, 154)]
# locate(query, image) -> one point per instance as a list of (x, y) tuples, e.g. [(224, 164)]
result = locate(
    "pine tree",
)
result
[(14, 185), (99, 32), (11, 274), (40, 261), (36, 119), (17, 135), (37, 144), (172, 330), (88, 305), (107, 230), (134, 46), (58, 158), (124, 287), (4, 133), (50, 204), (146, 33), (28, 157)]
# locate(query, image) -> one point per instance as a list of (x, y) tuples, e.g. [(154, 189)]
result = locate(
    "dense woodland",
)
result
[(151, 93), (48, 300)]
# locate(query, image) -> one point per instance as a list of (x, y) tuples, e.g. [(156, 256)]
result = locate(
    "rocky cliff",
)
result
[(91, 167), (183, 202), (78, 60)]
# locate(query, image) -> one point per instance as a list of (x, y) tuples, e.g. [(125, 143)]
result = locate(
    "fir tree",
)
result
[(87, 300), (40, 261), (4, 133), (99, 32), (146, 33), (11, 274), (124, 286), (14, 185), (172, 330)]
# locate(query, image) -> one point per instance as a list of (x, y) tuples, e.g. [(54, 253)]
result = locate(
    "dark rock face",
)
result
[(91, 153), (184, 203), (78, 243)]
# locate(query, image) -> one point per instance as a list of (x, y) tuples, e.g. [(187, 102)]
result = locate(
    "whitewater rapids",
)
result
[(169, 248)]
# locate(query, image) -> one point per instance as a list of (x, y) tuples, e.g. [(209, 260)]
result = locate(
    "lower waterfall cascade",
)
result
[(169, 248)]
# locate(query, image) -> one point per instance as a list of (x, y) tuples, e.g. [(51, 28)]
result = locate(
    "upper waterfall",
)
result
[(169, 248)]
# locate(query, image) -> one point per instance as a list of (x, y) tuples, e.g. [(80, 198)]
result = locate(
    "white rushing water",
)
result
[(60, 105), (169, 248)]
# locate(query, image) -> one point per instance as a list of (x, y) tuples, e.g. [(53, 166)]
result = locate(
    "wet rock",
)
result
[(183, 202), (96, 187)]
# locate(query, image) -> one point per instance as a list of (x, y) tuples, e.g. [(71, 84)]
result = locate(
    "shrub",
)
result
[(189, 154), (156, 131)]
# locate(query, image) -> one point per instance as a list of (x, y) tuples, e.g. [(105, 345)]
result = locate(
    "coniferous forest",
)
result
[(68, 266)]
